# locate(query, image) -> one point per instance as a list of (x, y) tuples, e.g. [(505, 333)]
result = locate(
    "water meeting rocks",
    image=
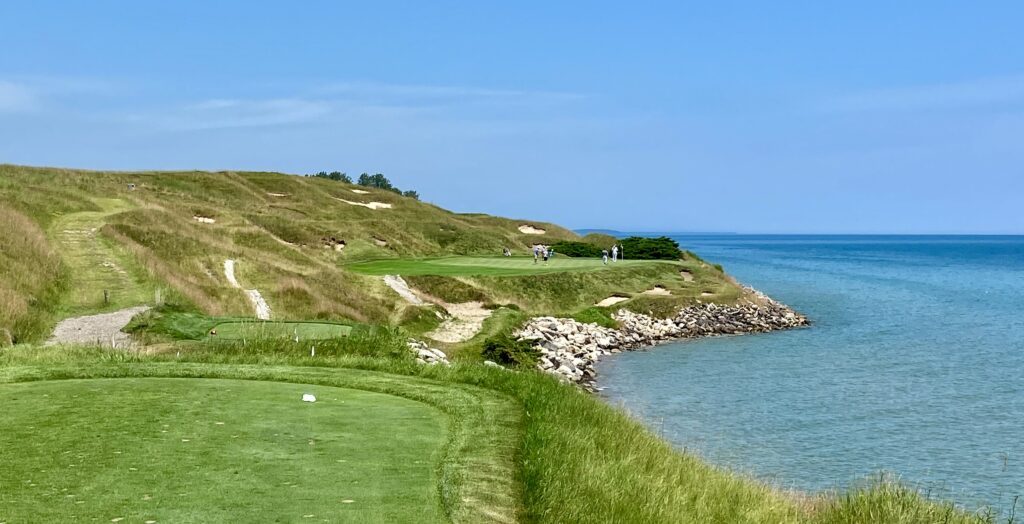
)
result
[(569, 348)]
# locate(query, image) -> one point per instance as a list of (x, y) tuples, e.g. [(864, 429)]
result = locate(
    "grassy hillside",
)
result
[(89, 241), (70, 235)]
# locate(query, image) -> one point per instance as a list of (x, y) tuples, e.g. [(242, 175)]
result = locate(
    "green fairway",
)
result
[(211, 450), (302, 330), (97, 264), (485, 266)]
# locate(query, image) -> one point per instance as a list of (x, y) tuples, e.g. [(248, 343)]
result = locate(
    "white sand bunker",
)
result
[(278, 194), (531, 230), (657, 290), (611, 301), (262, 309), (370, 205), (399, 285), (465, 322), (687, 276), (204, 220), (360, 192), (706, 294)]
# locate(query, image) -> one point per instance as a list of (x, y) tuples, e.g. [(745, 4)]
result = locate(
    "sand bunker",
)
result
[(465, 322), (706, 294), (530, 230), (278, 194), (611, 301), (360, 192), (205, 220), (370, 205), (687, 276), (657, 290)]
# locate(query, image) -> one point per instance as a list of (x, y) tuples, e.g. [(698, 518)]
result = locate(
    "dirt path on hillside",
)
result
[(400, 286), (103, 329), (260, 306)]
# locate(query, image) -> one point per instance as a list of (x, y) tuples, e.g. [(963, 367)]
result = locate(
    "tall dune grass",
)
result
[(33, 278)]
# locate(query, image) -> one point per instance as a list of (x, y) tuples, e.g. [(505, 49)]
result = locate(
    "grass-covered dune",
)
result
[(68, 235), (83, 242), (465, 443)]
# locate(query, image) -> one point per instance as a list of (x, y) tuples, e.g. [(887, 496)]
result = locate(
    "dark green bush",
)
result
[(508, 351), (644, 248), (577, 249)]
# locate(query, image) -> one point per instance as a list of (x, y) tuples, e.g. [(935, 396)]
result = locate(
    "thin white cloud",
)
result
[(420, 91), (227, 113), (354, 102), (17, 98), (957, 95)]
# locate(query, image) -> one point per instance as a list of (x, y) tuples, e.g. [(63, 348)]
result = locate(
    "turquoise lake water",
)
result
[(914, 365)]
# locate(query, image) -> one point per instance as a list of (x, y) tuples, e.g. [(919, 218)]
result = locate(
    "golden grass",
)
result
[(33, 274)]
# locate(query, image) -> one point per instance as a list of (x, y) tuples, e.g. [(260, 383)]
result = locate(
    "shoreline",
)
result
[(570, 349)]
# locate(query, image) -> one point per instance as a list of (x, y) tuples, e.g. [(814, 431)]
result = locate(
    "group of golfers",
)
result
[(544, 252)]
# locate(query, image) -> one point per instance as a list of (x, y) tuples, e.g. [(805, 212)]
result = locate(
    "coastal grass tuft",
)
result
[(34, 279)]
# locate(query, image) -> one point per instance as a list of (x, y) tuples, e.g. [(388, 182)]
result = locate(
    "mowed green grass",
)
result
[(97, 264), (486, 266), (213, 450), (291, 330)]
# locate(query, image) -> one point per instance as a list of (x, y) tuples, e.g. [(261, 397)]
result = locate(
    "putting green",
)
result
[(214, 450), (497, 266), (303, 330)]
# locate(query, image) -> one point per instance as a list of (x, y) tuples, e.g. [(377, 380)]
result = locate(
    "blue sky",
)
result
[(901, 117)]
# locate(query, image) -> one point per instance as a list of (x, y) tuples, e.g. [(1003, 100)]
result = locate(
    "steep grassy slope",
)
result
[(135, 233), (33, 278)]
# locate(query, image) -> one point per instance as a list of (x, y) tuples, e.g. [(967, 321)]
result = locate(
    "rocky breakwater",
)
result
[(569, 349)]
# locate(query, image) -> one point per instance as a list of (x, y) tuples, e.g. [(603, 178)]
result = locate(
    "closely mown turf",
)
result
[(292, 330), (206, 450), (520, 446), (471, 475), (104, 276), (484, 266)]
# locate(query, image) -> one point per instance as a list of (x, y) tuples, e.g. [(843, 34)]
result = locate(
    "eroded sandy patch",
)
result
[(259, 304), (369, 205), (204, 220), (465, 322), (657, 290), (400, 286), (531, 230), (611, 301)]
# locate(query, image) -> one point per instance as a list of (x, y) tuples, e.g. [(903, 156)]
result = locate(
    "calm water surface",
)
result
[(914, 365)]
